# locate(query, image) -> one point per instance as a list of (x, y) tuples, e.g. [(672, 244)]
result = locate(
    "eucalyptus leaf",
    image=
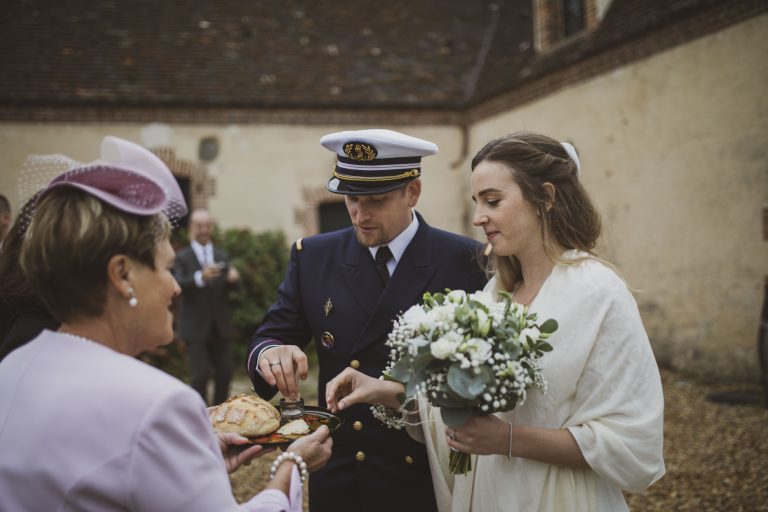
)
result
[(388, 377), (421, 361), (549, 326), (447, 398), (410, 387), (401, 371), (456, 417), (465, 383)]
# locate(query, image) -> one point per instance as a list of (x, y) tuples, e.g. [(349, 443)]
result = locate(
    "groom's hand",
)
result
[(283, 366)]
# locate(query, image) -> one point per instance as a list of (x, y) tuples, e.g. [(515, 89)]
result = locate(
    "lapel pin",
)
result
[(328, 307)]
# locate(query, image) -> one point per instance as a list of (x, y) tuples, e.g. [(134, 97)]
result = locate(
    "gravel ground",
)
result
[(716, 454)]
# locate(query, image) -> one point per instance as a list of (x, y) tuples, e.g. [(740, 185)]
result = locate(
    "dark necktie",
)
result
[(383, 255)]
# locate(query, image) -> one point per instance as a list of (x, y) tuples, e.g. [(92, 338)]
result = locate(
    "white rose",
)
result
[(418, 318), (444, 314), (441, 349), (457, 296), (445, 346), (479, 349)]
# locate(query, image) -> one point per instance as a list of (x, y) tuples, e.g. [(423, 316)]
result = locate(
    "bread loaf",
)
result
[(247, 415)]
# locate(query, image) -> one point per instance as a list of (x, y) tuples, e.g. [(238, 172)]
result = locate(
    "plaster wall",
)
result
[(674, 155), (261, 172)]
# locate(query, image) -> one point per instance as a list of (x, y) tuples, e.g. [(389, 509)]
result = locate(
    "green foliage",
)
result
[(261, 259)]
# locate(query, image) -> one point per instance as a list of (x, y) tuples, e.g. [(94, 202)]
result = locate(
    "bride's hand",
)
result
[(481, 435), (352, 387)]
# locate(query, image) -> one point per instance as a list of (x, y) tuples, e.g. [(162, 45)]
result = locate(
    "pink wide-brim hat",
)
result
[(126, 176)]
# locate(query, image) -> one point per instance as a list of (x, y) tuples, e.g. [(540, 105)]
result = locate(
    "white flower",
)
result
[(457, 296), (417, 318), (531, 333), (444, 314), (484, 298), (479, 350), (446, 346)]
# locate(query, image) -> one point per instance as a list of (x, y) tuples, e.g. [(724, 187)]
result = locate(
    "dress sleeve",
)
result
[(177, 464), (617, 416)]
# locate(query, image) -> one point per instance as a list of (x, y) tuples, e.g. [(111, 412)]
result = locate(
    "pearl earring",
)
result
[(133, 301)]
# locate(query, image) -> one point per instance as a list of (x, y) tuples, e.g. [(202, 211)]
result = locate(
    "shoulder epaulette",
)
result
[(298, 244)]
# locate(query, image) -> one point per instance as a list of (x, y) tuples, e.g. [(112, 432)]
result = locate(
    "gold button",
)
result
[(408, 459), (355, 364), (357, 425), (360, 456)]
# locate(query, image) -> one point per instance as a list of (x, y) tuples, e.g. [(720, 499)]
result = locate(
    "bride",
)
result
[(598, 429)]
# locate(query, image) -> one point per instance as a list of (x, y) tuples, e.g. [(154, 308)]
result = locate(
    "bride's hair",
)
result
[(571, 223)]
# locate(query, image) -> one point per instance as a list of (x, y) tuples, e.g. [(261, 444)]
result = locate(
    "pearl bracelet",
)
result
[(296, 459)]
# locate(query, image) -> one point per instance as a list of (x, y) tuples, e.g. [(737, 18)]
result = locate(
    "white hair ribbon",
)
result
[(572, 153)]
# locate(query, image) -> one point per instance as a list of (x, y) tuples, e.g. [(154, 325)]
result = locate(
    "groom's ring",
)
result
[(452, 435), (278, 363)]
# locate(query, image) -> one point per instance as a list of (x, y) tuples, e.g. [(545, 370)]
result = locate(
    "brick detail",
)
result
[(202, 186), (307, 216), (707, 21), (549, 22)]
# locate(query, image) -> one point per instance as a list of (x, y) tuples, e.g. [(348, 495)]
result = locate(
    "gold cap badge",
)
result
[(360, 151)]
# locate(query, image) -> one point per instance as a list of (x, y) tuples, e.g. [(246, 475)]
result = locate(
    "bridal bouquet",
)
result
[(467, 354)]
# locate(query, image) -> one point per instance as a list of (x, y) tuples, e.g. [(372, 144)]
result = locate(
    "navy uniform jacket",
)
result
[(393, 474)]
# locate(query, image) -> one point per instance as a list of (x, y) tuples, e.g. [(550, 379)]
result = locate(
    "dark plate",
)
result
[(315, 416)]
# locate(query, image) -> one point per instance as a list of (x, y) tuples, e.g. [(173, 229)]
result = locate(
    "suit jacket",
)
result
[(202, 308), (86, 428), (333, 268)]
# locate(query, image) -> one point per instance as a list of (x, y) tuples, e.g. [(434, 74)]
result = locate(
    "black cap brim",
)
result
[(338, 186)]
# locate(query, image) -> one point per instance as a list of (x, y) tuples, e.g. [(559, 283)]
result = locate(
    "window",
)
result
[(333, 216), (573, 16), (558, 20)]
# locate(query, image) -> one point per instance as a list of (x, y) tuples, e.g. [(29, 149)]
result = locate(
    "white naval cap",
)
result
[(374, 161)]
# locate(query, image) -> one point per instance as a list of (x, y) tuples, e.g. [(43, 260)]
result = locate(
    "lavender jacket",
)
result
[(83, 427)]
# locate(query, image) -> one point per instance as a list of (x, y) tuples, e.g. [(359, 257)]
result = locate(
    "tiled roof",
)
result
[(292, 54), (266, 53), (624, 22)]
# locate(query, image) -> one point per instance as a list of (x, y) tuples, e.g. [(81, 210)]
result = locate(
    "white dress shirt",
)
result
[(205, 257), (399, 244)]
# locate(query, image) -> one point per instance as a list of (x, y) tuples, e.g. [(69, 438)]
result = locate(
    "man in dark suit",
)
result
[(205, 321), (343, 289)]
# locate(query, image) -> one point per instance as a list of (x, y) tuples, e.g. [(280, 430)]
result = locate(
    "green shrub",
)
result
[(261, 259)]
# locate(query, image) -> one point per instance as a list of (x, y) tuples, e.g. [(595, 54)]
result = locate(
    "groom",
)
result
[(343, 289)]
